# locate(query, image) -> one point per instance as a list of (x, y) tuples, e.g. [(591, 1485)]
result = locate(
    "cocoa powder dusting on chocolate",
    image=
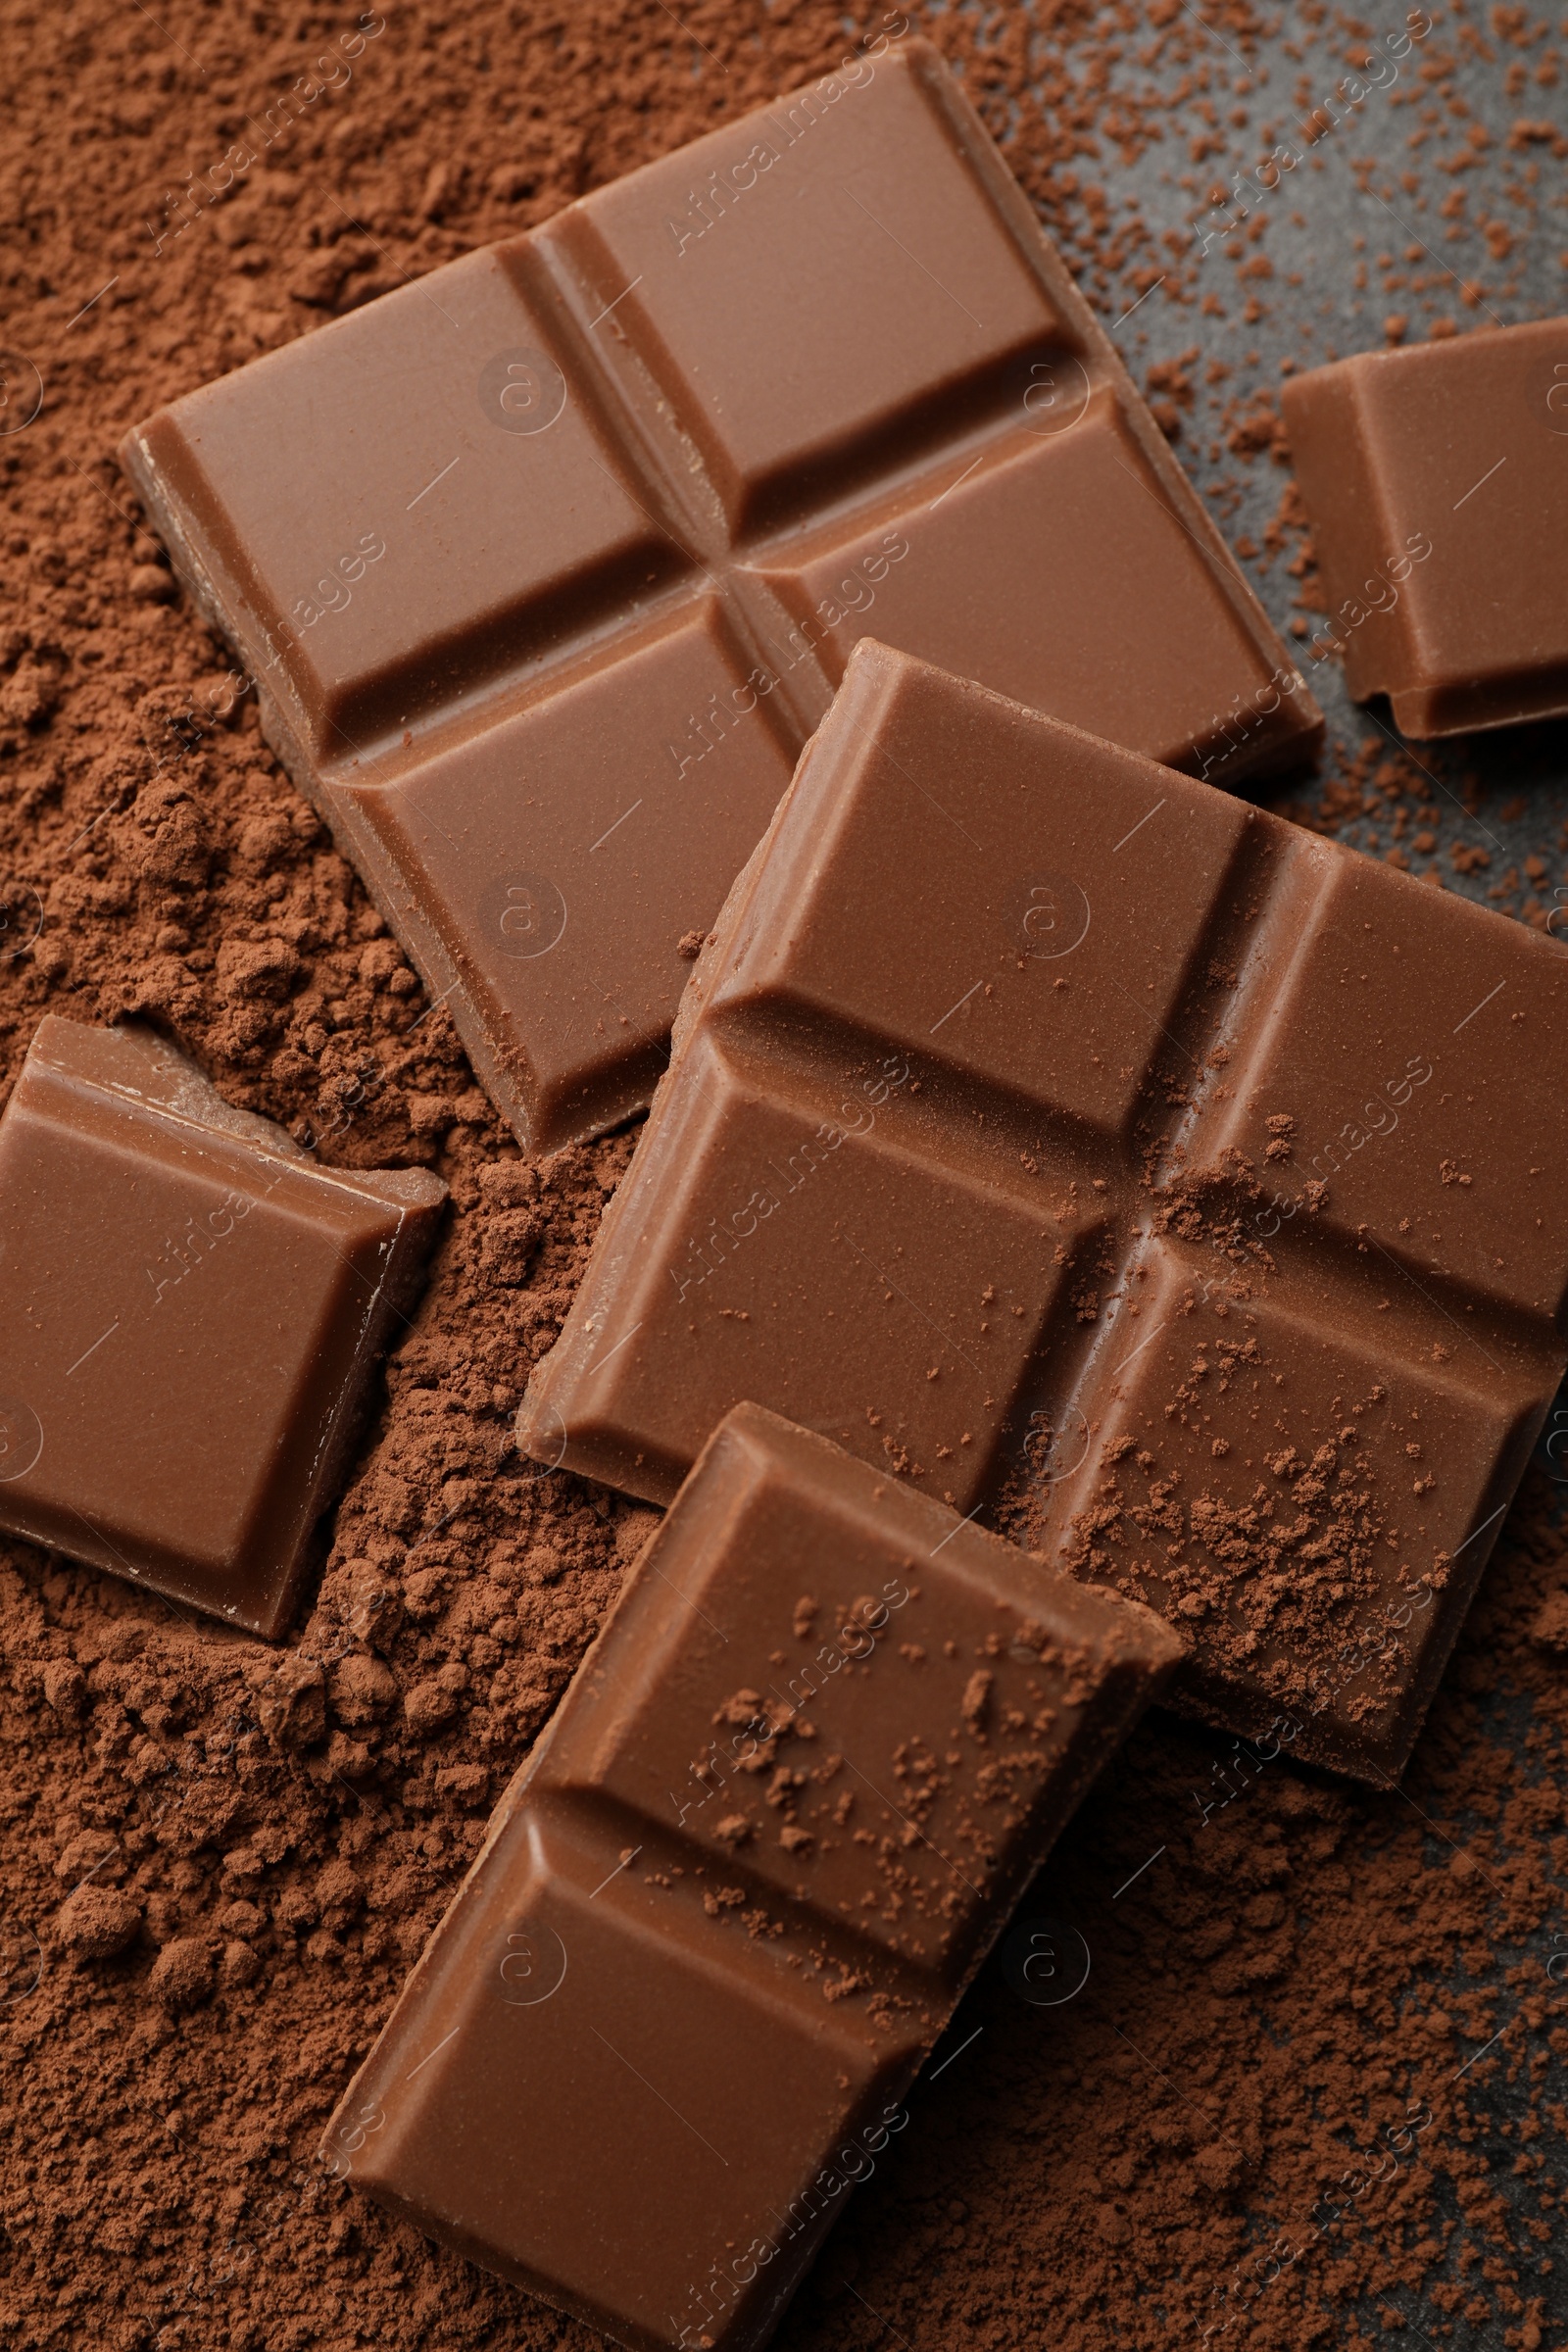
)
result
[(1308, 2094)]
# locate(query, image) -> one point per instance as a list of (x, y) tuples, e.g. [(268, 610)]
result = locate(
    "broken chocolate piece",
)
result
[(1437, 481), (726, 1908), (192, 1308)]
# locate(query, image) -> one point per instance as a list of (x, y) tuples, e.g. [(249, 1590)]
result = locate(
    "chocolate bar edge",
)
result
[(436, 966)]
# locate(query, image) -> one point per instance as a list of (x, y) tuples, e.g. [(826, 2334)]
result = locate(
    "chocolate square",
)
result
[(194, 1309)]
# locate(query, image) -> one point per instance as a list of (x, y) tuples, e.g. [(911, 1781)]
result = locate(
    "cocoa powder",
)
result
[(1308, 2093)]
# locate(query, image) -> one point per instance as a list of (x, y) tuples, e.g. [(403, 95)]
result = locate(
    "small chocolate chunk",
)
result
[(1437, 481), (191, 1308)]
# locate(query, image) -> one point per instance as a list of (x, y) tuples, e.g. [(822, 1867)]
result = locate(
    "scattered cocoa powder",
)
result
[(219, 1859)]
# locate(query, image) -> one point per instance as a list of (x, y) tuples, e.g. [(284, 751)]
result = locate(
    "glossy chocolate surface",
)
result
[(725, 1910), (190, 1310), (1436, 482), (1180, 1189), (546, 567)]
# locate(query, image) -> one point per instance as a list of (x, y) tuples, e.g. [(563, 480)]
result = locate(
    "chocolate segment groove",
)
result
[(546, 566), (1115, 1159)]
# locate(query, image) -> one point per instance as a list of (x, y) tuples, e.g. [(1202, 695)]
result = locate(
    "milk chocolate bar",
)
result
[(723, 1914), (1181, 1189), (1437, 481), (190, 1310), (546, 567)]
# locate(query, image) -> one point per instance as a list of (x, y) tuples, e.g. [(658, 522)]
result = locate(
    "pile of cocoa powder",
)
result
[(1307, 2094)]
